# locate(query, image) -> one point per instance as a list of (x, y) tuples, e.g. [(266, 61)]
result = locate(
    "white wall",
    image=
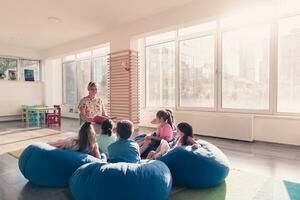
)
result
[(228, 125), (14, 94), (248, 127), (53, 81), (119, 37), (6, 50), (278, 129)]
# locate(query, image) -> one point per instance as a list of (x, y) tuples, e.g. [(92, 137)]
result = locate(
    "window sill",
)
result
[(21, 81)]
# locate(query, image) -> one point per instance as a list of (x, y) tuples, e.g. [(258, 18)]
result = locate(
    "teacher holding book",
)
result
[(91, 107)]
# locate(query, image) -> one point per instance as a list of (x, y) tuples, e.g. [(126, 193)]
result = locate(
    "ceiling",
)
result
[(25, 23)]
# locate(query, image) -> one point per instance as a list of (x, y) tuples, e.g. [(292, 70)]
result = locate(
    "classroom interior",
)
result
[(229, 68)]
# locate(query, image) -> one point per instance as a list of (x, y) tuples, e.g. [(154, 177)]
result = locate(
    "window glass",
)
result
[(245, 68), (160, 71), (197, 72), (8, 68), (70, 83), (289, 65)]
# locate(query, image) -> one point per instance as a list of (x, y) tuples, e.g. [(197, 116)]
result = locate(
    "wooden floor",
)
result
[(276, 160)]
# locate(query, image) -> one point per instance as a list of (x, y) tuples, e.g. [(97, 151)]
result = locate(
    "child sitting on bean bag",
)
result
[(85, 142), (185, 137), (106, 136), (124, 149), (165, 121)]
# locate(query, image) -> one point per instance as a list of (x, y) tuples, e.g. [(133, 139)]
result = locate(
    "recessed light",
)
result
[(54, 19)]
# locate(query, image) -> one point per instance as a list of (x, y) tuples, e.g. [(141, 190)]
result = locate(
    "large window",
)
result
[(245, 68), (83, 77), (160, 65), (194, 49), (100, 76), (70, 83), (30, 66), (289, 65), (248, 62), (80, 69), (197, 63), (19, 69), (8, 68)]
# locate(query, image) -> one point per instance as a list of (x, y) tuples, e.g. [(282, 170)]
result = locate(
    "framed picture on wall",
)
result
[(12, 75), (29, 74)]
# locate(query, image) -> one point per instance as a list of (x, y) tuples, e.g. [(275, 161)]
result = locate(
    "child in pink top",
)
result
[(185, 137), (164, 131)]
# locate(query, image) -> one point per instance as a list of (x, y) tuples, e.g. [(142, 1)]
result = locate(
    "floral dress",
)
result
[(93, 107)]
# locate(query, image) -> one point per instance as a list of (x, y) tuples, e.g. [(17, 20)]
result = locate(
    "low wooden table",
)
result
[(39, 110)]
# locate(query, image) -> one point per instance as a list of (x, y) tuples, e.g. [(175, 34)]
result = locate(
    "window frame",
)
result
[(95, 57), (220, 75), (276, 27), (177, 68), (76, 60), (18, 68), (190, 37), (147, 75), (272, 22), (63, 82)]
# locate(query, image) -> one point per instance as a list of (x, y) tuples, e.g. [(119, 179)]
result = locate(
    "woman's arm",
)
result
[(83, 115)]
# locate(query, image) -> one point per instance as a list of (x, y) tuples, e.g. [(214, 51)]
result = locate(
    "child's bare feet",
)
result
[(196, 146), (151, 155)]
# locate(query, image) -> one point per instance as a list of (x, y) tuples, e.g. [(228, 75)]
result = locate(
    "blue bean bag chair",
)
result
[(148, 180), (200, 168), (48, 166)]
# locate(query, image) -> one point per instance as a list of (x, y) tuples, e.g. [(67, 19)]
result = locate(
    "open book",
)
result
[(100, 119)]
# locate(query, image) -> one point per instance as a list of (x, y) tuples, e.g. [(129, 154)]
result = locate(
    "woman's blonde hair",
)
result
[(91, 84)]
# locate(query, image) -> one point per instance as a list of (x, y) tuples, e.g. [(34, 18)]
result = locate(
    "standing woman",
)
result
[(91, 105)]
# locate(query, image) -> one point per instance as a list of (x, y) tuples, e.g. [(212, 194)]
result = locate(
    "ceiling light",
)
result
[(54, 19)]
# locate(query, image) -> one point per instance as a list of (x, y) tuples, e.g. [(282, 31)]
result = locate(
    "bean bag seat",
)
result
[(200, 168), (148, 180), (48, 166)]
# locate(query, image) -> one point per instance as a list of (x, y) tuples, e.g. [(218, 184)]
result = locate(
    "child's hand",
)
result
[(148, 137), (196, 146)]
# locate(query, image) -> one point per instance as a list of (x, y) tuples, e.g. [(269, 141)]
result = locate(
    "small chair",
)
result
[(31, 116), (55, 117), (24, 113)]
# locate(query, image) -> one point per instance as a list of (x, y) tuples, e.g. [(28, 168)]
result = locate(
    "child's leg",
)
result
[(145, 146), (154, 154), (141, 142), (158, 148), (151, 155), (162, 149)]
